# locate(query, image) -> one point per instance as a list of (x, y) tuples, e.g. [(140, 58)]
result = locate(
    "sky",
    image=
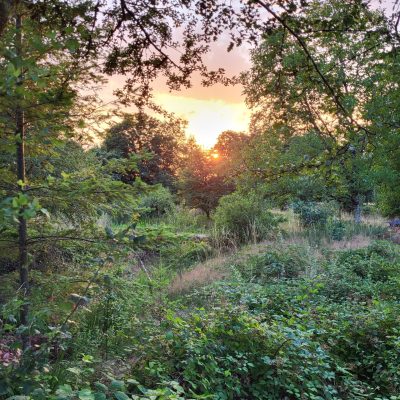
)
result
[(208, 110), (212, 110)]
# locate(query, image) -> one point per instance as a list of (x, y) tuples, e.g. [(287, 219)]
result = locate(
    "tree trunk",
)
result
[(357, 210), (21, 175), (5, 6)]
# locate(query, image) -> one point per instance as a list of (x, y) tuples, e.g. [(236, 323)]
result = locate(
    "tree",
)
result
[(322, 87), (200, 184), (228, 153), (43, 58), (160, 142)]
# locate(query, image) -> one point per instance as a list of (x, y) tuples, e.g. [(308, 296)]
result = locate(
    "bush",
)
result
[(243, 218), (287, 263), (187, 220), (377, 262), (311, 213), (336, 229), (185, 253), (157, 203), (229, 354)]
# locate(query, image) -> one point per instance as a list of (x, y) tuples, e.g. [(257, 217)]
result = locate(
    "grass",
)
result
[(201, 274)]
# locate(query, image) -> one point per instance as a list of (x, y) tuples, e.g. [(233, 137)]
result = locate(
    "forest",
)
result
[(137, 264)]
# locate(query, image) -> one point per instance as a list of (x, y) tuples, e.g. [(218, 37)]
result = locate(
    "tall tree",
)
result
[(322, 87), (160, 142), (201, 186), (42, 61)]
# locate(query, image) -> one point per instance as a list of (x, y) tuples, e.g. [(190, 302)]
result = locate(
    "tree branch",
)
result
[(303, 45)]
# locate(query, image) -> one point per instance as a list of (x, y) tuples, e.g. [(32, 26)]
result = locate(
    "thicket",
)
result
[(293, 323), (244, 218)]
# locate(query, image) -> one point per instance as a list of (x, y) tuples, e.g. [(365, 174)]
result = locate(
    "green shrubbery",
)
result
[(244, 217), (289, 323), (311, 213), (281, 262), (157, 202), (231, 354)]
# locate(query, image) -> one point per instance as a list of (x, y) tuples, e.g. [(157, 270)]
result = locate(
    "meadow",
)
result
[(298, 313)]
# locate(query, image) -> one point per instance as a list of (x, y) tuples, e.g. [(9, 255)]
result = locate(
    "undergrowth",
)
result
[(284, 319)]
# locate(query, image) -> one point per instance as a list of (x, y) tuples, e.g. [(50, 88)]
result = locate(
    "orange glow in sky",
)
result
[(207, 118), (208, 110)]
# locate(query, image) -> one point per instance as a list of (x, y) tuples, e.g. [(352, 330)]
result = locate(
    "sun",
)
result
[(206, 118), (215, 156)]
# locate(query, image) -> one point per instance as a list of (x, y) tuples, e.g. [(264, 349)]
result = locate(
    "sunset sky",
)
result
[(208, 110), (211, 110)]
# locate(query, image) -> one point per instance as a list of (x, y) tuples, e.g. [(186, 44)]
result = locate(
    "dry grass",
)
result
[(373, 219), (217, 268), (201, 275), (356, 242), (292, 224)]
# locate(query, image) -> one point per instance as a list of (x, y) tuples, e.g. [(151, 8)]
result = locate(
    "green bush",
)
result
[(281, 263), (185, 253), (157, 202), (183, 219), (377, 262), (244, 217), (311, 213), (229, 354), (336, 229)]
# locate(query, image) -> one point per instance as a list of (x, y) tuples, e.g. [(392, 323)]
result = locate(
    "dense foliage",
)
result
[(135, 264)]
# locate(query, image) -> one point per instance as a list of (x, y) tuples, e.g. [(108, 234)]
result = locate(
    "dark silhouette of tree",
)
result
[(201, 186), (157, 143)]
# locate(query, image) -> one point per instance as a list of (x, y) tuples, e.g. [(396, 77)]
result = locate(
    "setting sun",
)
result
[(206, 118)]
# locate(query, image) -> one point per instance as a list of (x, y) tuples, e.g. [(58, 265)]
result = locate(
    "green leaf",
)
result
[(38, 394), (45, 212), (18, 398), (86, 394), (64, 391), (75, 370), (117, 386), (87, 358), (169, 335), (101, 387), (121, 396)]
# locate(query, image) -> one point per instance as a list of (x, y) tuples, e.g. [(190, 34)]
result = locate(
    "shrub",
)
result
[(244, 218), (157, 202), (185, 253), (183, 219), (336, 229), (311, 213), (377, 262), (286, 263), (230, 354)]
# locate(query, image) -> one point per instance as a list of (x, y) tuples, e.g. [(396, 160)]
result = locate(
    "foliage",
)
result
[(336, 229), (311, 213), (229, 150), (285, 262), (284, 320), (315, 86), (244, 217), (201, 185), (159, 143), (157, 203)]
